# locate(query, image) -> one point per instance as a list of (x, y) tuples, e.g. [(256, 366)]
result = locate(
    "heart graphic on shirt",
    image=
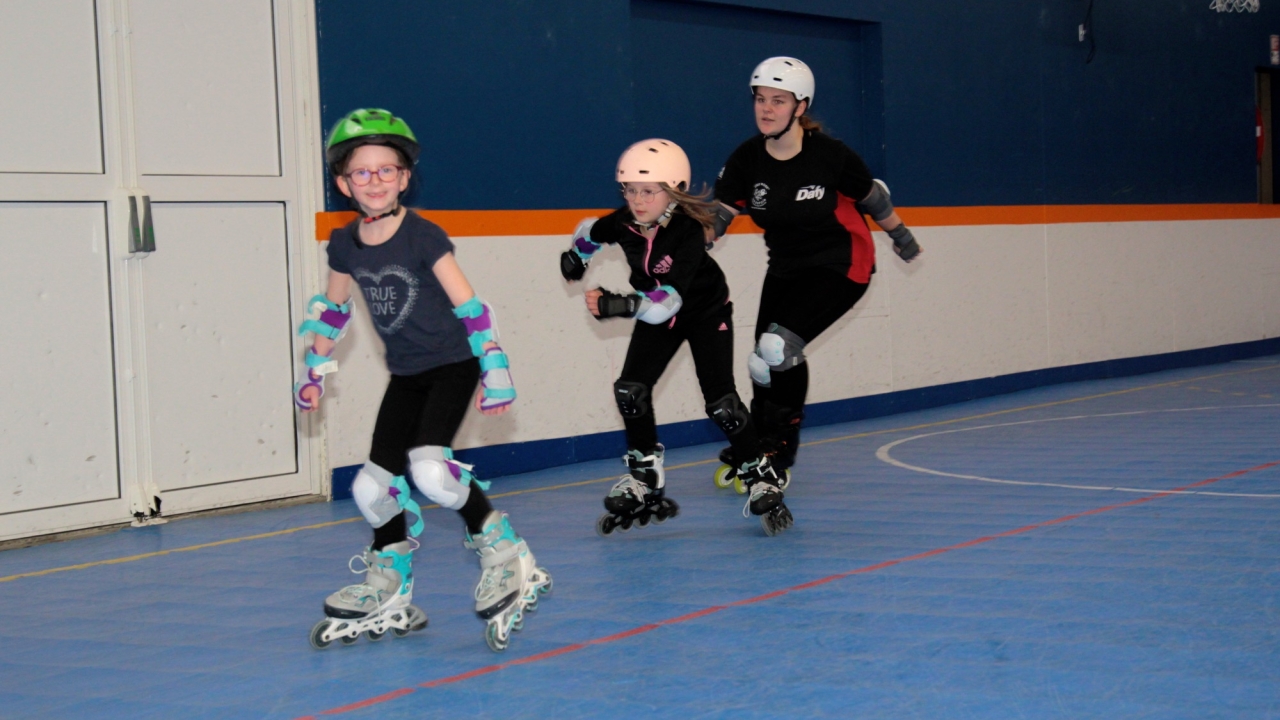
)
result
[(391, 302)]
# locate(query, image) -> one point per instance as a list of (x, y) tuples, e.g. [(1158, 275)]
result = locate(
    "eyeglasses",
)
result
[(386, 173), (645, 195)]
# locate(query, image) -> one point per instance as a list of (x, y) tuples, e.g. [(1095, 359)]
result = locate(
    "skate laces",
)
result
[(759, 489), (492, 580), (628, 484)]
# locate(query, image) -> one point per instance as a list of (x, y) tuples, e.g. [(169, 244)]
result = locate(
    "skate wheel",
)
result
[(643, 520), (375, 636), (624, 524), (531, 605), (724, 476), (766, 522), (605, 525), (317, 635), (491, 638), (518, 625), (739, 487), (400, 632), (349, 639), (545, 589)]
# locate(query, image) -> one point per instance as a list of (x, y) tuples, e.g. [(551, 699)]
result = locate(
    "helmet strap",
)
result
[(783, 131), (790, 122), (374, 218), (666, 214)]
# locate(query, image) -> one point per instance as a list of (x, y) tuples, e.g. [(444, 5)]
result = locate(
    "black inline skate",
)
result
[(766, 498), (638, 497), (727, 475)]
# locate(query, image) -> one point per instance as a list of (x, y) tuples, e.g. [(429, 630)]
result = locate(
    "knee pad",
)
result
[(759, 370), (729, 414), (441, 478), (632, 399), (375, 496), (780, 348)]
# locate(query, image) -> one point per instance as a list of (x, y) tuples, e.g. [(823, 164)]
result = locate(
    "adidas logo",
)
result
[(663, 266)]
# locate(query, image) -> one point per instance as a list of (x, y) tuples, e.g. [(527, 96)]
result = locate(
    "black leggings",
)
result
[(424, 409), (806, 304), (711, 343)]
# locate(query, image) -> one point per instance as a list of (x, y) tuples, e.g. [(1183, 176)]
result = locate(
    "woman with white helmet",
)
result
[(680, 295), (808, 191)]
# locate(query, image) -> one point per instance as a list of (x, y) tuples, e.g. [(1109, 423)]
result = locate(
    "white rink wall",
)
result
[(982, 301)]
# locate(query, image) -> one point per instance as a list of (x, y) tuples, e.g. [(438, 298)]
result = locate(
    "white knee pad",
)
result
[(439, 477), (780, 348), (759, 370), (372, 491)]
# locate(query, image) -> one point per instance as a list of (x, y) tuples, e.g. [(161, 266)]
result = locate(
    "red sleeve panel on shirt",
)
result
[(863, 250)]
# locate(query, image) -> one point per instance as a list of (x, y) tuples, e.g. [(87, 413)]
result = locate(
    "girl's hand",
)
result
[(312, 395), (490, 411), (593, 301)]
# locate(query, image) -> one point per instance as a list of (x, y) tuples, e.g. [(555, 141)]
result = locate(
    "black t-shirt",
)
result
[(806, 205), (409, 307), (677, 256)]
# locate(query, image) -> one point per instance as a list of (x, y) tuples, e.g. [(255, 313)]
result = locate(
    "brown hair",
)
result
[(808, 123), (700, 207)]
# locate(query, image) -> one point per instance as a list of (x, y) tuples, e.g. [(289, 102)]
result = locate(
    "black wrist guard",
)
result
[(904, 243), (612, 304), (723, 217), (571, 265)]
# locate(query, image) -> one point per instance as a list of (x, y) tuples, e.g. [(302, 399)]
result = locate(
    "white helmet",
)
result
[(655, 160), (785, 73)]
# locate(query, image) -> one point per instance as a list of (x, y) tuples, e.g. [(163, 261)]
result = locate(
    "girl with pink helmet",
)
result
[(679, 295)]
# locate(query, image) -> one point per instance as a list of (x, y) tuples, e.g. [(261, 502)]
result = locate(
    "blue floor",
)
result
[(1015, 557)]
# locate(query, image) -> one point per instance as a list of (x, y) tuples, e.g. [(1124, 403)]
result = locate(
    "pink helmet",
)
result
[(655, 160)]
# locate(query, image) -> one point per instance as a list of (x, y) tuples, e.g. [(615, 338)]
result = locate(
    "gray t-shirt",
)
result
[(408, 305)]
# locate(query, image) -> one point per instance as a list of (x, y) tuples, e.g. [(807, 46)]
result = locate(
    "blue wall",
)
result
[(525, 104)]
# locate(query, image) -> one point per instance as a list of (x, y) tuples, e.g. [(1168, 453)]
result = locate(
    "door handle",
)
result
[(142, 231)]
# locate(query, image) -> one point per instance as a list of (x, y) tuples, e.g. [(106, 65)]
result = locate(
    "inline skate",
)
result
[(638, 497), (379, 604), (727, 474), (510, 580), (766, 498)]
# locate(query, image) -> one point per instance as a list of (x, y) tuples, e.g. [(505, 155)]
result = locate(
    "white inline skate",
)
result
[(510, 580), (378, 604)]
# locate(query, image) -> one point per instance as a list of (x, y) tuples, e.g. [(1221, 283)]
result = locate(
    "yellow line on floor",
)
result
[(320, 526)]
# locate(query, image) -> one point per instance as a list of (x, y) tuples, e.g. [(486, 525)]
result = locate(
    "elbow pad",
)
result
[(876, 203), (659, 305), (327, 318), (724, 216)]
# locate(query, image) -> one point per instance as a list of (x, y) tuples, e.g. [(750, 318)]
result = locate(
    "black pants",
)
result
[(424, 409), (711, 343), (806, 304)]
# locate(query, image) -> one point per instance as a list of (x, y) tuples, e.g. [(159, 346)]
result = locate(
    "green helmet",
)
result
[(369, 126)]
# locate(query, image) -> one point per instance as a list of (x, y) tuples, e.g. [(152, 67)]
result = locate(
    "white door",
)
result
[(130, 375), (214, 151), (60, 461)]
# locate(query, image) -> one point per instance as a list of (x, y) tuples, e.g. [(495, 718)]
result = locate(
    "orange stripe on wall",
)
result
[(507, 223)]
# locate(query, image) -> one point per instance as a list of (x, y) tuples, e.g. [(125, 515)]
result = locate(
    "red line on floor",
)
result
[(779, 593)]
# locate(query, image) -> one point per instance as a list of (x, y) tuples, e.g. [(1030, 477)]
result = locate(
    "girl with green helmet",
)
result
[(441, 339)]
